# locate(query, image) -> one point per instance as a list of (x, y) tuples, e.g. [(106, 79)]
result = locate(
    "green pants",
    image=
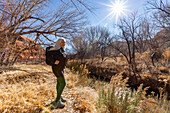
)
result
[(60, 86)]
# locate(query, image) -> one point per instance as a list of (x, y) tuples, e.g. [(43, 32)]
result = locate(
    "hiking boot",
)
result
[(62, 99), (57, 104), (53, 104)]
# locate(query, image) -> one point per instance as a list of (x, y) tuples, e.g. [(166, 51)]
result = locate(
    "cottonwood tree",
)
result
[(104, 39), (91, 41), (145, 40), (98, 39), (25, 17), (160, 10), (126, 40), (79, 45)]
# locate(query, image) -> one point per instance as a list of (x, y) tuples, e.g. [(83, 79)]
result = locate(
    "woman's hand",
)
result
[(57, 62)]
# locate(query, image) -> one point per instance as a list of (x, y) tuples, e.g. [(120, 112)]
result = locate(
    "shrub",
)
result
[(74, 66), (117, 98)]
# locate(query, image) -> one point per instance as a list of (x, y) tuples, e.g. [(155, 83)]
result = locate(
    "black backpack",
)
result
[(49, 56)]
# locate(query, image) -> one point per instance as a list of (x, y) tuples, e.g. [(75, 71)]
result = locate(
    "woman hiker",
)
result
[(59, 62)]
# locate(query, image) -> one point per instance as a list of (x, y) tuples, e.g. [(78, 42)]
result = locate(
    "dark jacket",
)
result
[(61, 57)]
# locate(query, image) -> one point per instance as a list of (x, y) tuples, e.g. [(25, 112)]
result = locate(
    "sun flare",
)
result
[(118, 8)]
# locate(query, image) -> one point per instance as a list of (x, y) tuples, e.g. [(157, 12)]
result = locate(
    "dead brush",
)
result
[(166, 55), (83, 76), (85, 81), (71, 79), (80, 74), (117, 98), (74, 66), (154, 104), (25, 78), (24, 92)]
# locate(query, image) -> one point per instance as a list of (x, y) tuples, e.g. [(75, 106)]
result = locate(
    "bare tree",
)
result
[(99, 38), (145, 40), (127, 39), (34, 18), (92, 41), (161, 12), (103, 42), (79, 45), (81, 4)]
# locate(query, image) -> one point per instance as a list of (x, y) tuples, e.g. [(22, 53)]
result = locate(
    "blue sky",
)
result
[(102, 11)]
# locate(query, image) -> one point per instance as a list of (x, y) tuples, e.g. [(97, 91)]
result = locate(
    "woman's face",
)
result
[(63, 43)]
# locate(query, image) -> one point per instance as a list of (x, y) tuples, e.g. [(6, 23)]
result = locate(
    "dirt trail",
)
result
[(34, 86)]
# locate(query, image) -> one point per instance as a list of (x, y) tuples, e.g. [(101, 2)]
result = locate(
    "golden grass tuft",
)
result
[(162, 77), (145, 55), (164, 69), (122, 57), (147, 75), (166, 54), (71, 79)]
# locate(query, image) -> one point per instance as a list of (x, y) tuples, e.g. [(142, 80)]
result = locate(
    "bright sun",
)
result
[(118, 9)]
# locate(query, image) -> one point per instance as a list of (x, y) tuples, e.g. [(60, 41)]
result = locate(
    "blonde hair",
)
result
[(57, 45)]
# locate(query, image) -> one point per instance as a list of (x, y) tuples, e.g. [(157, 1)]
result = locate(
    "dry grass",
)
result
[(145, 55), (166, 54), (30, 88), (122, 57), (117, 98), (24, 90), (86, 99)]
